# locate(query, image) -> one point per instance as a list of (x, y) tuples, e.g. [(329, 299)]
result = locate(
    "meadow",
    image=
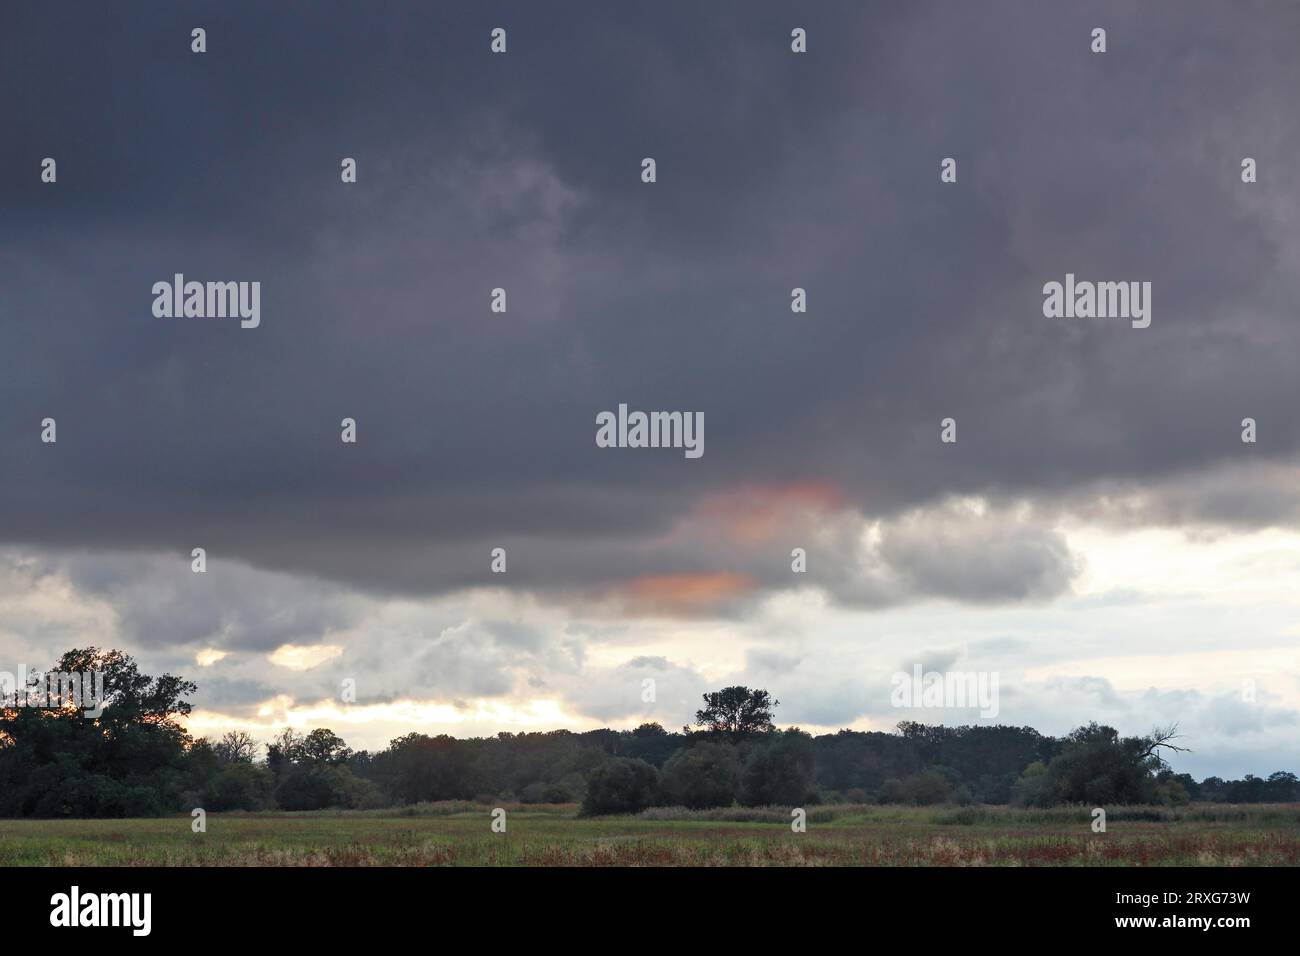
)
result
[(459, 834)]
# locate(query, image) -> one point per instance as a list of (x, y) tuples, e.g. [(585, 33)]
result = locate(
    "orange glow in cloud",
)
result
[(684, 593), (753, 513)]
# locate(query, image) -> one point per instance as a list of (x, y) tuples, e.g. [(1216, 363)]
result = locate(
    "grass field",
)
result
[(459, 834)]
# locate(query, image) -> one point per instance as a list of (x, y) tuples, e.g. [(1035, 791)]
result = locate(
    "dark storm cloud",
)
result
[(522, 171)]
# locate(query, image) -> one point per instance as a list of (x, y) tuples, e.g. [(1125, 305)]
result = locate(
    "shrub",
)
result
[(778, 773), (620, 785), (702, 776), (318, 787), (240, 786), (922, 789), (1035, 788), (538, 791)]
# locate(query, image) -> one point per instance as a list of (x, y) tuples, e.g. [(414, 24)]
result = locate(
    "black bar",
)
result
[(333, 904)]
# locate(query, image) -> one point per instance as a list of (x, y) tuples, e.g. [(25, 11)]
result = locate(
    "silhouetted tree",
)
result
[(737, 712), (128, 761), (236, 746)]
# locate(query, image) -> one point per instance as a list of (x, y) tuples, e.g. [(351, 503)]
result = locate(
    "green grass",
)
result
[(459, 834)]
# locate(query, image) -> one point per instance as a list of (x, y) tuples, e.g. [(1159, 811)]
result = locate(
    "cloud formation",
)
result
[(476, 429)]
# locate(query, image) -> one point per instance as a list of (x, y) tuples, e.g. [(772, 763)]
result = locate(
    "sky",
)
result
[(1098, 536)]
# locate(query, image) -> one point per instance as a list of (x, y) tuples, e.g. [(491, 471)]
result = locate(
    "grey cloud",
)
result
[(476, 430), (160, 602), (1231, 717), (983, 561), (765, 661), (937, 659), (615, 693)]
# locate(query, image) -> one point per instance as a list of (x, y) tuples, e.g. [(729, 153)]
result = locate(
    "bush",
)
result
[(702, 776), (922, 789), (620, 785), (573, 786), (142, 801), (357, 793), (778, 773), (562, 791), (319, 787), (534, 793), (240, 786), (1035, 788), (1173, 793)]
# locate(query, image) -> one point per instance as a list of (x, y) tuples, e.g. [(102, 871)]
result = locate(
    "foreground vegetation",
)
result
[(459, 834)]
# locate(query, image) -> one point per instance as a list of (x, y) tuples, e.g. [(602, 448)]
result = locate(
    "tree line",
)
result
[(136, 759)]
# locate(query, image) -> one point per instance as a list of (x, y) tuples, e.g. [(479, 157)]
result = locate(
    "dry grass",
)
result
[(460, 835)]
